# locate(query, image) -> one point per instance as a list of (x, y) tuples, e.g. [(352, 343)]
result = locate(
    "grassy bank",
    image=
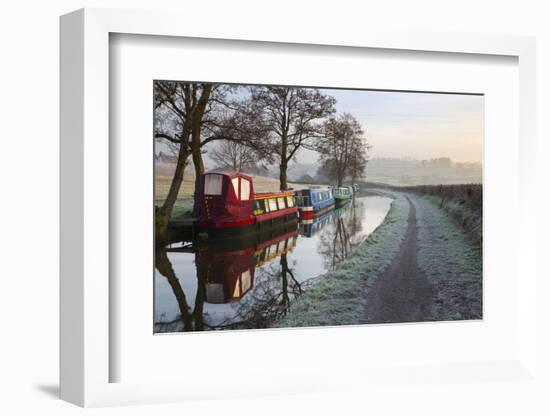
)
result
[(451, 261), (336, 297), (463, 203), (183, 208)]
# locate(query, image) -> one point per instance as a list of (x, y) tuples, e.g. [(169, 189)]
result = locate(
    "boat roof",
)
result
[(228, 172), (315, 188), (263, 195)]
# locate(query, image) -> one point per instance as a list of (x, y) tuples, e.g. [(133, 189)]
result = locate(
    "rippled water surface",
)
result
[(249, 283)]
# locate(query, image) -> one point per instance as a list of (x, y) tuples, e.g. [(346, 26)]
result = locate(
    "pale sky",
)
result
[(413, 125), (416, 125)]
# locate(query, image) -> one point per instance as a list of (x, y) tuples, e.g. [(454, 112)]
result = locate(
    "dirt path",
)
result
[(402, 293)]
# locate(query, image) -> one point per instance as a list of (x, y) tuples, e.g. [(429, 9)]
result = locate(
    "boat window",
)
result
[(281, 203), (213, 184), (259, 207), (272, 204), (245, 189), (290, 201), (235, 183)]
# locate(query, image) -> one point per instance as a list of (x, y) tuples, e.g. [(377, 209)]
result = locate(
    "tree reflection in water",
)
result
[(192, 319), (271, 298), (337, 240), (225, 274)]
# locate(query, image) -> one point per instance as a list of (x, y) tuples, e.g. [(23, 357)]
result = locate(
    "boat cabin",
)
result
[(343, 192), (313, 201), (227, 200)]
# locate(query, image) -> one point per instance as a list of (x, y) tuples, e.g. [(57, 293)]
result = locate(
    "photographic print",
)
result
[(292, 207)]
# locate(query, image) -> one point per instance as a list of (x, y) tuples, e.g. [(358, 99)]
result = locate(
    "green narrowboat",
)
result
[(342, 195)]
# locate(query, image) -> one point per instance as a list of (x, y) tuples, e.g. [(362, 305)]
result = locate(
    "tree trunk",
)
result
[(284, 271), (198, 114), (163, 265), (164, 213), (282, 175), (284, 162), (199, 170)]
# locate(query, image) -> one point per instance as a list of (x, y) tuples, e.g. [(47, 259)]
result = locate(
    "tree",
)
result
[(189, 116), (359, 159), (290, 118), (179, 111), (233, 155), (342, 149)]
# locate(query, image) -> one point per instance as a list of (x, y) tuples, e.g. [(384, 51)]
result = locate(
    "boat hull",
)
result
[(342, 201), (206, 232), (312, 213)]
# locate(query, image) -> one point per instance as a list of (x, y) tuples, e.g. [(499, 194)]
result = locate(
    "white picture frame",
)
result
[(85, 220)]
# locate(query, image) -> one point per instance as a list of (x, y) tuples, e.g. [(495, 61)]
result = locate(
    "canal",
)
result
[(251, 282)]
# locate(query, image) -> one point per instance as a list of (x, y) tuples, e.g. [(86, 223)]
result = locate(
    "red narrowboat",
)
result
[(229, 206)]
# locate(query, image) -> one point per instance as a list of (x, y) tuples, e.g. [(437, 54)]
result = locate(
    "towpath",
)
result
[(402, 293)]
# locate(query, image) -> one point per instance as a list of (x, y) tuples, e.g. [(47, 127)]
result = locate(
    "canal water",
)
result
[(250, 283)]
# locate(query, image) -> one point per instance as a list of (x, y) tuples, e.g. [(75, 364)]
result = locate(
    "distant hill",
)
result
[(423, 172)]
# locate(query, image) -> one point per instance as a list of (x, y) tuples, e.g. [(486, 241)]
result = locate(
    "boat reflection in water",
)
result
[(337, 233), (225, 272), (228, 272), (310, 227)]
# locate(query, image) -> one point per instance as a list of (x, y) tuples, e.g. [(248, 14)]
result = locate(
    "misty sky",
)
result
[(412, 125), (415, 125)]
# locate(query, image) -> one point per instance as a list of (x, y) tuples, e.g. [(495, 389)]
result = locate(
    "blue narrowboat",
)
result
[(313, 201)]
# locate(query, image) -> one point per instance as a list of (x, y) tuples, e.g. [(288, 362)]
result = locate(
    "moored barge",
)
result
[(229, 206), (314, 201), (343, 194)]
